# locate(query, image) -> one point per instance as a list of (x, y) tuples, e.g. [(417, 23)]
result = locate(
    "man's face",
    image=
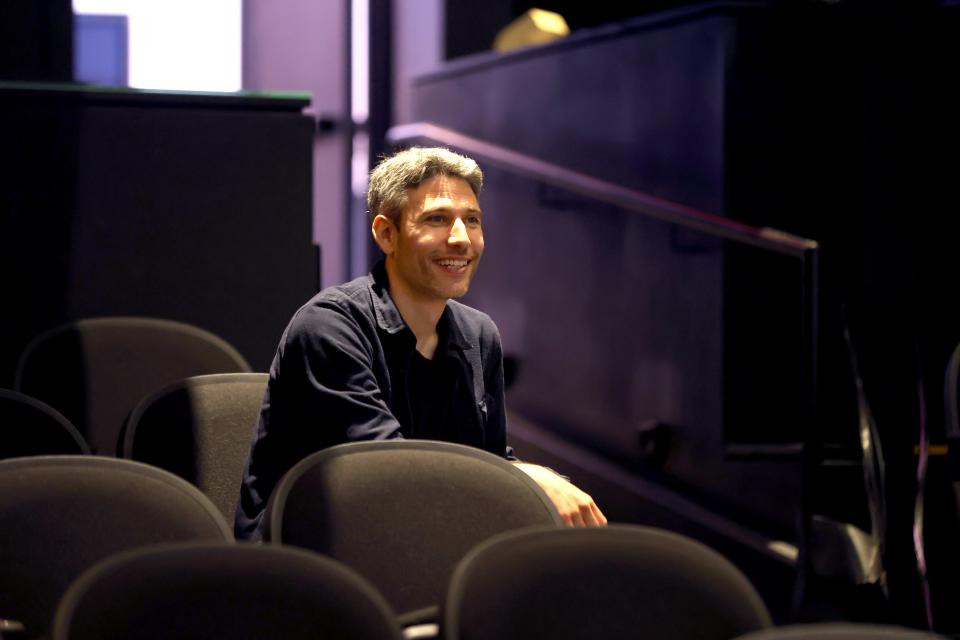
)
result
[(438, 240)]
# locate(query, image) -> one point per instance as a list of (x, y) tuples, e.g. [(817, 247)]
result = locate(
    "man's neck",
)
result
[(421, 315)]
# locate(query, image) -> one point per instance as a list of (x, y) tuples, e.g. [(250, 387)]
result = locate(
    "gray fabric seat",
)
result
[(403, 512), (200, 429), (29, 427), (237, 592), (63, 514), (620, 581), (94, 371), (840, 631)]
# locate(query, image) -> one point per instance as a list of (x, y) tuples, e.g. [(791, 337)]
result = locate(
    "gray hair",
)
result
[(394, 176)]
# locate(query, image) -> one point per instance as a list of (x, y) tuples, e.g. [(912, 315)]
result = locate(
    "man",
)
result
[(391, 355)]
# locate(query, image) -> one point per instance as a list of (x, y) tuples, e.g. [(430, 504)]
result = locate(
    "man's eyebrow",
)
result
[(446, 209)]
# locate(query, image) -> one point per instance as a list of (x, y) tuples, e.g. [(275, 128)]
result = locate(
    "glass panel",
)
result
[(628, 330)]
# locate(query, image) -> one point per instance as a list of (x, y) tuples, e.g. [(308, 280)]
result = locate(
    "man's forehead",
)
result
[(443, 192)]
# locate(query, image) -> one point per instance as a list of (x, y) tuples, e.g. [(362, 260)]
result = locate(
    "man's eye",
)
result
[(435, 218), (474, 220)]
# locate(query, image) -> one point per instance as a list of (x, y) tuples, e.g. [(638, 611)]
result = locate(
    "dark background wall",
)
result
[(833, 121), (37, 40), (186, 207)]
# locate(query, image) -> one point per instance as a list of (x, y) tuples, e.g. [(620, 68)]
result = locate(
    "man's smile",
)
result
[(453, 265)]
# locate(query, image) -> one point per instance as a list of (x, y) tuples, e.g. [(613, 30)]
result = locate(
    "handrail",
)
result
[(603, 191), (804, 249)]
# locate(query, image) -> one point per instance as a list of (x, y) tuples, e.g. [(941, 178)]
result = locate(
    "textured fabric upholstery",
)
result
[(29, 427), (840, 631), (200, 429), (621, 581), (94, 371), (235, 592), (62, 514), (403, 512)]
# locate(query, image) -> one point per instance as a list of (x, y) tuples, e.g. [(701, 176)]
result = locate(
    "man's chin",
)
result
[(457, 290)]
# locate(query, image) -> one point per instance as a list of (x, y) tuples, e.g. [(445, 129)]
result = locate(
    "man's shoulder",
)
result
[(356, 291), (350, 299)]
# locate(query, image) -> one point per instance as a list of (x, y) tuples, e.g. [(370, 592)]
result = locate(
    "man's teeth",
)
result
[(452, 263)]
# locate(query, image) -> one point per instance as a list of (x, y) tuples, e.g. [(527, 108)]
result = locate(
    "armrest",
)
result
[(421, 623), (11, 630)]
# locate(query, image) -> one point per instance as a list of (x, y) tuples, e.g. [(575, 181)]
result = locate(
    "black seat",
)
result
[(403, 512), (840, 631), (94, 371), (620, 581), (29, 427), (236, 592), (200, 429), (63, 514)]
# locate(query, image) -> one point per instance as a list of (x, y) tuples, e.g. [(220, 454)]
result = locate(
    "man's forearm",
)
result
[(576, 507)]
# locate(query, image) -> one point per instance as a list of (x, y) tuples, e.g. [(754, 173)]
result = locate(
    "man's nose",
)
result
[(458, 233)]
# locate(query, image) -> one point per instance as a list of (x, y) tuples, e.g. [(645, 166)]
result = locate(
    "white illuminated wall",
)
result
[(193, 45)]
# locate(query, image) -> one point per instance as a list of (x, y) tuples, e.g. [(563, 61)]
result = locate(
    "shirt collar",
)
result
[(388, 316), (390, 320)]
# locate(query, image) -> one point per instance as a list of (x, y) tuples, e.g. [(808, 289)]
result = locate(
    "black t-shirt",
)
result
[(430, 386)]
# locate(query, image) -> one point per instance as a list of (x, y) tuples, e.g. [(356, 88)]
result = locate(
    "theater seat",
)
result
[(237, 592), (403, 512), (62, 514), (620, 581), (200, 429), (94, 371)]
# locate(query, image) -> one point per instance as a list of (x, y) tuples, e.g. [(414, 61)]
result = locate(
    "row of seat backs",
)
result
[(64, 514), (566, 589), (624, 581), (199, 428), (93, 371), (242, 591)]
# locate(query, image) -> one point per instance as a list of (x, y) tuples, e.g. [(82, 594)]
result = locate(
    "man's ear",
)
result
[(384, 233)]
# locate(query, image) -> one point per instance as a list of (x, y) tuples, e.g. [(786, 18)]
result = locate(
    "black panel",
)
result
[(189, 207), (36, 40)]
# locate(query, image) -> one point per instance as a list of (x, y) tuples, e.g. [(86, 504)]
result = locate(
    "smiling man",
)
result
[(391, 355)]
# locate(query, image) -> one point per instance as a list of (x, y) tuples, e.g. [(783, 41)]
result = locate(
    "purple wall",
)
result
[(300, 45)]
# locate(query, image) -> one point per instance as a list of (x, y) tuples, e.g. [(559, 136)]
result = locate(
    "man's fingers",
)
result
[(589, 511), (571, 514), (586, 515), (598, 517), (582, 511), (591, 514)]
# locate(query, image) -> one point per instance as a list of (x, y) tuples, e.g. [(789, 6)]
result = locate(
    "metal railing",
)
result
[(804, 250)]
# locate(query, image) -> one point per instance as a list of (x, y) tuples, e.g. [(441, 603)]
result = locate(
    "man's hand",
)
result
[(576, 508)]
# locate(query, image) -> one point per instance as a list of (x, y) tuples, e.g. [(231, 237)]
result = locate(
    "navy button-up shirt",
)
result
[(339, 376)]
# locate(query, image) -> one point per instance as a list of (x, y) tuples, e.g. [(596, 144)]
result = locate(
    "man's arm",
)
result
[(323, 391), (576, 507)]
